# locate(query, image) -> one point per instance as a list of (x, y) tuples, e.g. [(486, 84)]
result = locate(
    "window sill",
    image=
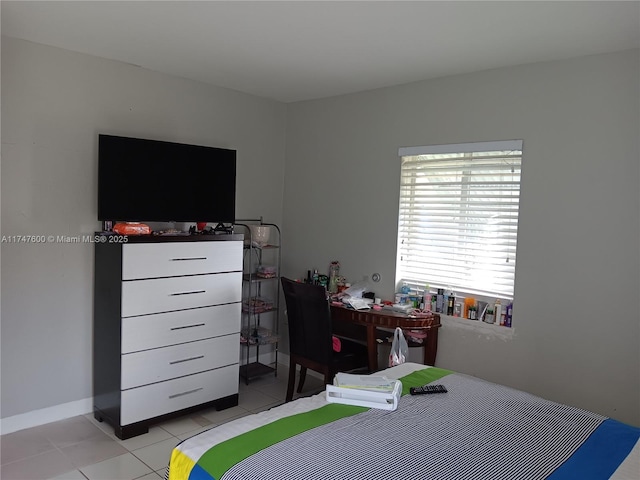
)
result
[(475, 326)]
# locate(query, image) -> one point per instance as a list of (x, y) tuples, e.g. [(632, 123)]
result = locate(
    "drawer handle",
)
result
[(176, 395), (187, 258), (188, 326), (187, 293), (186, 360)]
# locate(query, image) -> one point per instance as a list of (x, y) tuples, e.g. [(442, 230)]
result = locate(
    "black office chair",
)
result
[(310, 336)]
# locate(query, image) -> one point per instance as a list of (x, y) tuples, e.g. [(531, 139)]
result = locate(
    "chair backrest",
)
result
[(309, 318)]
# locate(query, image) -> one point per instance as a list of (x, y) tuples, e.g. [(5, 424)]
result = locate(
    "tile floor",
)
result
[(81, 448)]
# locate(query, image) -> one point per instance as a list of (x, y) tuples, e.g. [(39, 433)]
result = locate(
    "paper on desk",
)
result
[(372, 383), (358, 303), (357, 289)]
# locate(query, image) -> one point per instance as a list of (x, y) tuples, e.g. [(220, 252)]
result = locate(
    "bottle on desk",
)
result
[(497, 310), (451, 301), (508, 315), (468, 303), (427, 298), (334, 273), (439, 300)]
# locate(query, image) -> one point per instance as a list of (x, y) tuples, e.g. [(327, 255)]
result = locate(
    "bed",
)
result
[(477, 430)]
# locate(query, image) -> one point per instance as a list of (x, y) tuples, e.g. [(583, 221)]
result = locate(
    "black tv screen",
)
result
[(154, 181)]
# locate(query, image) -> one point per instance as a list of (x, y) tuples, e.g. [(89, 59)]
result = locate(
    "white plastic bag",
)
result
[(399, 348)]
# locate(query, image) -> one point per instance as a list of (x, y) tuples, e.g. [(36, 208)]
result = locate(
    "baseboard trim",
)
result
[(35, 418), (63, 411)]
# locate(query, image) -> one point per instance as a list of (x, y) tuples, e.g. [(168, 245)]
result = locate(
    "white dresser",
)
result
[(166, 328)]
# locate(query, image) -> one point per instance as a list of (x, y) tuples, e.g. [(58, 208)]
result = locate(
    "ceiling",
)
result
[(300, 50)]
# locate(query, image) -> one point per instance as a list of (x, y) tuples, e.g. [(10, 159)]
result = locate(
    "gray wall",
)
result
[(54, 103), (576, 335), (579, 232)]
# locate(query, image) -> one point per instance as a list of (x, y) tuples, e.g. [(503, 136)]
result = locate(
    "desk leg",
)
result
[(372, 348), (431, 347)]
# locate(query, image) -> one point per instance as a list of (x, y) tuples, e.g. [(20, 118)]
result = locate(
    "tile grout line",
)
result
[(251, 393)]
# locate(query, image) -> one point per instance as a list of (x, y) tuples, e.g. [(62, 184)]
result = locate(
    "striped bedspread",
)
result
[(478, 430)]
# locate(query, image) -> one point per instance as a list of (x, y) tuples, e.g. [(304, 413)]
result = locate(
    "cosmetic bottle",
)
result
[(439, 300), (334, 273), (509, 315), (497, 310), (427, 298), (451, 301), (468, 303)]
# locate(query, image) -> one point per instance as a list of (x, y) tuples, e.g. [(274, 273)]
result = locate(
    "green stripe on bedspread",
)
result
[(218, 459)]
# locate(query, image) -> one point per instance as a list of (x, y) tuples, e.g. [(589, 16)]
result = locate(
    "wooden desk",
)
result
[(372, 320)]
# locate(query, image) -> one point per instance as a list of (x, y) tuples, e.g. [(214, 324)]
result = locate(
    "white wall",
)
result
[(576, 335), (54, 104)]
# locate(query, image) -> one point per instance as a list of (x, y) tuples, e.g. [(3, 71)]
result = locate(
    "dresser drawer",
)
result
[(162, 329), (155, 260), (165, 397), (141, 297), (160, 364)]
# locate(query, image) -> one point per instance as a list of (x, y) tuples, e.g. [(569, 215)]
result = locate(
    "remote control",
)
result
[(425, 389)]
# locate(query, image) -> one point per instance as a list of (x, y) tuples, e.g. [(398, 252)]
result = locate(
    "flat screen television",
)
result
[(143, 180)]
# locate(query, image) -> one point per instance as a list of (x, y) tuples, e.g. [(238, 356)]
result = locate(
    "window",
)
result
[(458, 218)]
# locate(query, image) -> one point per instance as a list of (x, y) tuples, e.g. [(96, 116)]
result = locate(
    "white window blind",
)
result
[(458, 218)]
